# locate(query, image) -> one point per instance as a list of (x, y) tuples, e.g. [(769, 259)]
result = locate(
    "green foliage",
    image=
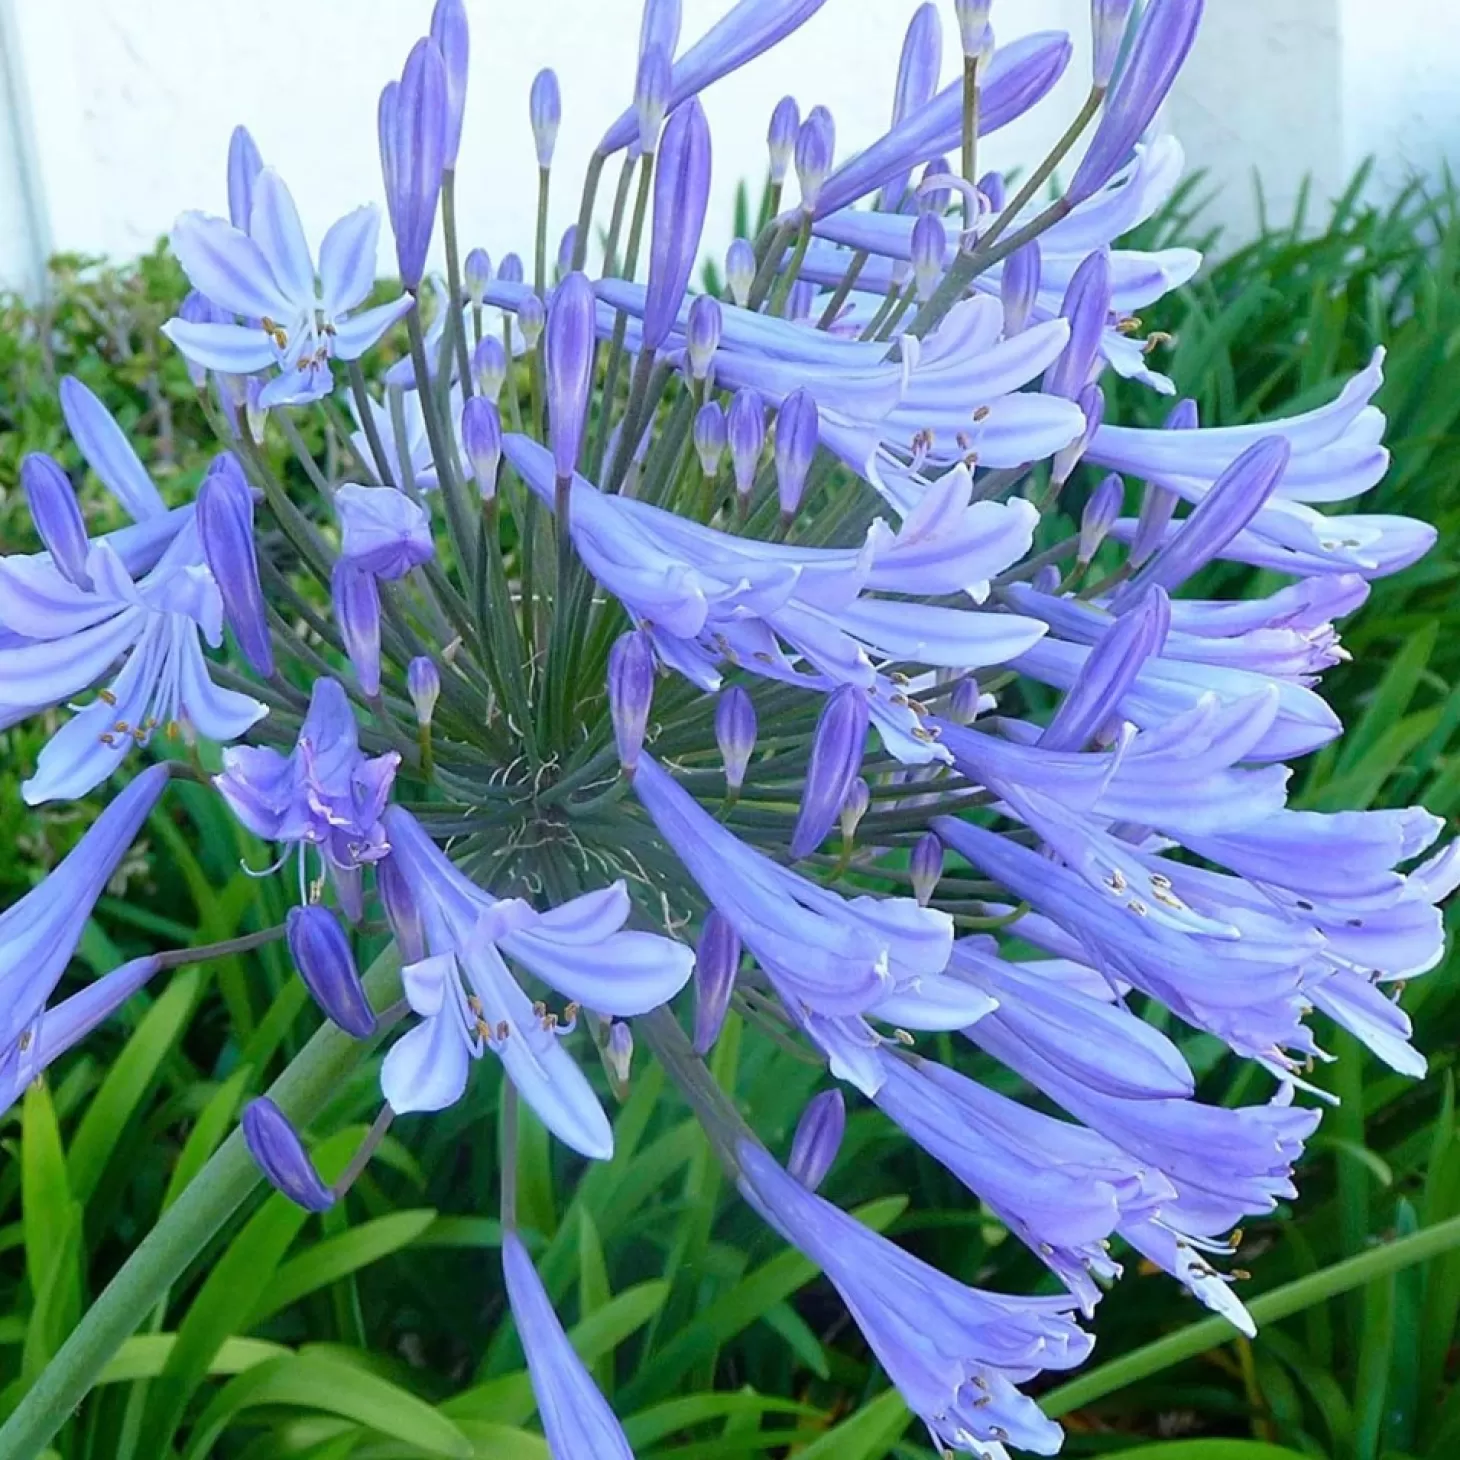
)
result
[(380, 1329)]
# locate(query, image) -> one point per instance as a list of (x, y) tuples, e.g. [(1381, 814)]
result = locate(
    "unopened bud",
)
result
[(781, 138), (717, 961), (1099, 516), (818, 1139), (745, 431), (740, 270), (630, 694), (709, 437), (929, 247), (735, 731), (925, 866), (225, 530), (278, 1152), (356, 602), (854, 808), (423, 681), (481, 438), (401, 911), (618, 1057), (321, 953), (545, 108), (702, 334), (478, 273), (531, 318), (798, 432), (489, 367), (815, 152)]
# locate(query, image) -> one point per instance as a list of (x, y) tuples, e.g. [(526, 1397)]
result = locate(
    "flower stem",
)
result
[(539, 267), (970, 131), (454, 323), (849, 280), (369, 426), (787, 279), (585, 208)]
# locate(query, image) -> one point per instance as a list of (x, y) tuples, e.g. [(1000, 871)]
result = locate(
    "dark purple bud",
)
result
[(735, 731), (511, 270), (57, 517), (1046, 580), (382, 530), (740, 270), (567, 245), (651, 97), (854, 808), (321, 953), (717, 961), (818, 1139), (568, 368), (357, 613), (1019, 286), (225, 529), (1091, 402), (531, 320), (781, 137), (1101, 511), (1162, 40), (401, 911), (278, 1152), (618, 1057), (481, 439), (453, 40), (488, 367), (545, 107), (423, 682), (745, 431), (917, 80), (1109, 671), (925, 866), (815, 152), (963, 705), (934, 199), (660, 26), (702, 334), (929, 247), (630, 695), (1231, 502), (478, 274), (798, 430), (1086, 306), (1108, 19), (681, 195), (836, 757), (1158, 503), (973, 24), (709, 436), (244, 166), (415, 113)]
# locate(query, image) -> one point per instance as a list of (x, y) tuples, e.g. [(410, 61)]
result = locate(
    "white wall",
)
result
[(131, 103)]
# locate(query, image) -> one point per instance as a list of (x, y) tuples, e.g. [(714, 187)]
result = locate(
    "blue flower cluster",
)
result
[(703, 630)]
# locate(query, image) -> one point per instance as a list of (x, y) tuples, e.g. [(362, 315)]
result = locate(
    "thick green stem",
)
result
[(539, 271), (585, 208), (849, 280), (454, 322), (370, 426), (786, 281), (210, 1200)]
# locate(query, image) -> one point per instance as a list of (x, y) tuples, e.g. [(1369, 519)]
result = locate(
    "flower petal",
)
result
[(274, 225), (107, 451), (347, 260), (227, 266)]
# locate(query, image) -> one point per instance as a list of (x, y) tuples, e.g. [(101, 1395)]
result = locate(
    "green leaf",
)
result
[(145, 1355), (1212, 1450), (212, 1125), (52, 1222), (867, 1435), (593, 1289)]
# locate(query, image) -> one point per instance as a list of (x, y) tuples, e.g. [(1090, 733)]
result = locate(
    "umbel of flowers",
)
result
[(645, 636)]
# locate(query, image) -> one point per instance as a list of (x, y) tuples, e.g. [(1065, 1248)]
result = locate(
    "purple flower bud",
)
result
[(735, 733), (991, 185), (244, 165), (660, 26), (973, 22), (531, 320), (917, 79), (488, 367), (1158, 503), (798, 430), (651, 97), (836, 757), (481, 439), (1232, 501), (933, 199), (1108, 19), (1019, 286), (717, 961), (1046, 580), (567, 246), (423, 681), (854, 808), (963, 705), (57, 516), (800, 300), (815, 152), (568, 368), (925, 866), (357, 612), (681, 195), (781, 137), (630, 695), (478, 273), (413, 125), (1162, 40), (453, 40), (321, 953), (1101, 511), (929, 246), (382, 531), (545, 107), (702, 333), (745, 431), (511, 270), (618, 1056), (401, 911), (1086, 306), (740, 270), (1091, 402), (278, 1152), (818, 1138), (225, 529), (709, 436)]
